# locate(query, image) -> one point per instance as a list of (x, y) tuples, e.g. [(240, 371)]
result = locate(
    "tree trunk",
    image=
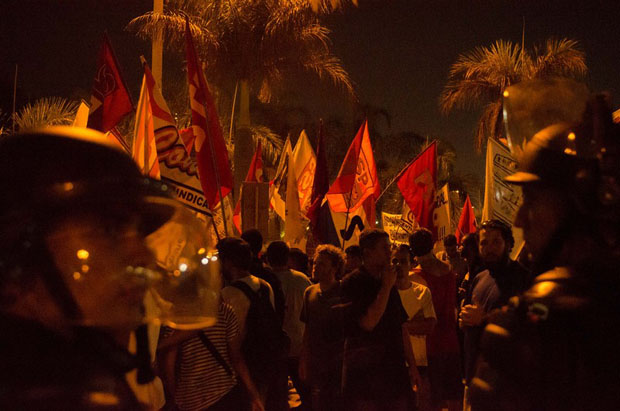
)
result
[(244, 146)]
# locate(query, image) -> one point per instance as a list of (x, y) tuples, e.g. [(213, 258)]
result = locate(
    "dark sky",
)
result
[(398, 52)]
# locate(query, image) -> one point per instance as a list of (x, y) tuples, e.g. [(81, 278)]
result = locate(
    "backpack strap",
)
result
[(216, 354), (247, 290)]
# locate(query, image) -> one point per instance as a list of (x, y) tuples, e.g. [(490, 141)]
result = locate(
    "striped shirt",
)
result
[(201, 380)]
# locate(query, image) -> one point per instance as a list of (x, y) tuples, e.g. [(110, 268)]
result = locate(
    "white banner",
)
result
[(398, 228), (501, 200), (441, 214)]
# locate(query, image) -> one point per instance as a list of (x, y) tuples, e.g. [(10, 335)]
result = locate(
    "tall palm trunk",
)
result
[(244, 146)]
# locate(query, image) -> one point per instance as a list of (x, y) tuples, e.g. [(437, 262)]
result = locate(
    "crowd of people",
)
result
[(374, 327), (377, 326)]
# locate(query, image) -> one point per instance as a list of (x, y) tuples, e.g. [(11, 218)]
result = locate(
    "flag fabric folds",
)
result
[(467, 222), (320, 186), (110, 100), (357, 179), (303, 166), (211, 152), (279, 182), (417, 184), (144, 151), (294, 224), (81, 117), (255, 174)]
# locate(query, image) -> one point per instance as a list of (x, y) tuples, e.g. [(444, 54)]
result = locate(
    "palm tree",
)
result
[(49, 111), (253, 44), (479, 78)]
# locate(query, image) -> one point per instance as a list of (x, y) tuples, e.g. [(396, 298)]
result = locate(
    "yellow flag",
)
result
[(81, 117), (144, 151), (304, 165)]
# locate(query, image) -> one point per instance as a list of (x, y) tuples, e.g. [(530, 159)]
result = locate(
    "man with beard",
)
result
[(490, 289)]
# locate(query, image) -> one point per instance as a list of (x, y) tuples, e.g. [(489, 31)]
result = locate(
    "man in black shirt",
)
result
[(377, 345)]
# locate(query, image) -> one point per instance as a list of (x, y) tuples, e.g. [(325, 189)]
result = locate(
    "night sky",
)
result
[(397, 52)]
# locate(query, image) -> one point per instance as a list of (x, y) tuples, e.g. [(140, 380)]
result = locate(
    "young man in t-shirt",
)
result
[(320, 364), (418, 303)]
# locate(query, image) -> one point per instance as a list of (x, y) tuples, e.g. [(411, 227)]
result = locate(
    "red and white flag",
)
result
[(417, 184), (211, 152), (357, 179), (110, 100)]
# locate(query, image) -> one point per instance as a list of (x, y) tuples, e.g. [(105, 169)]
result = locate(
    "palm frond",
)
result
[(467, 94), (49, 111), (490, 124), (170, 25), (329, 6), (271, 143), (559, 57), (330, 67)]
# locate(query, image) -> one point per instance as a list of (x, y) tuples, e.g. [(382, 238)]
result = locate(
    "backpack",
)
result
[(266, 344)]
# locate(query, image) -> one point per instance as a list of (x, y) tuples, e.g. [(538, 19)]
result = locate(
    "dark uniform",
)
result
[(556, 346)]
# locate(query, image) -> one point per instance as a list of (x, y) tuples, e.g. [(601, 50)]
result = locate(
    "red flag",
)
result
[(320, 185), (417, 184), (357, 178), (467, 222), (211, 151), (255, 174), (188, 138), (110, 101)]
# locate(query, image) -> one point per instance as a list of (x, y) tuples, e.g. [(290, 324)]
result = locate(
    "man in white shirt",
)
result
[(417, 301), (294, 284)]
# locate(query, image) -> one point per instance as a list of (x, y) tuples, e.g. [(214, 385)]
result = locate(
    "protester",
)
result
[(453, 258), (471, 253), (418, 303), (502, 279), (75, 212), (258, 269), (442, 344), (353, 258), (375, 374), (294, 284), (205, 369), (556, 346), (320, 364), (298, 261), (262, 341)]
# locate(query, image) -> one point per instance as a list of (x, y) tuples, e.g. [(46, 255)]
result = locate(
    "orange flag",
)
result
[(144, 151), (110, 101), (357, 179), (467, 222), (211, 152)]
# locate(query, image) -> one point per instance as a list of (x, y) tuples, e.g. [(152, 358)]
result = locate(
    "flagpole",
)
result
[(232, 114), (401, 172), (217, 178), (346, 222)]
